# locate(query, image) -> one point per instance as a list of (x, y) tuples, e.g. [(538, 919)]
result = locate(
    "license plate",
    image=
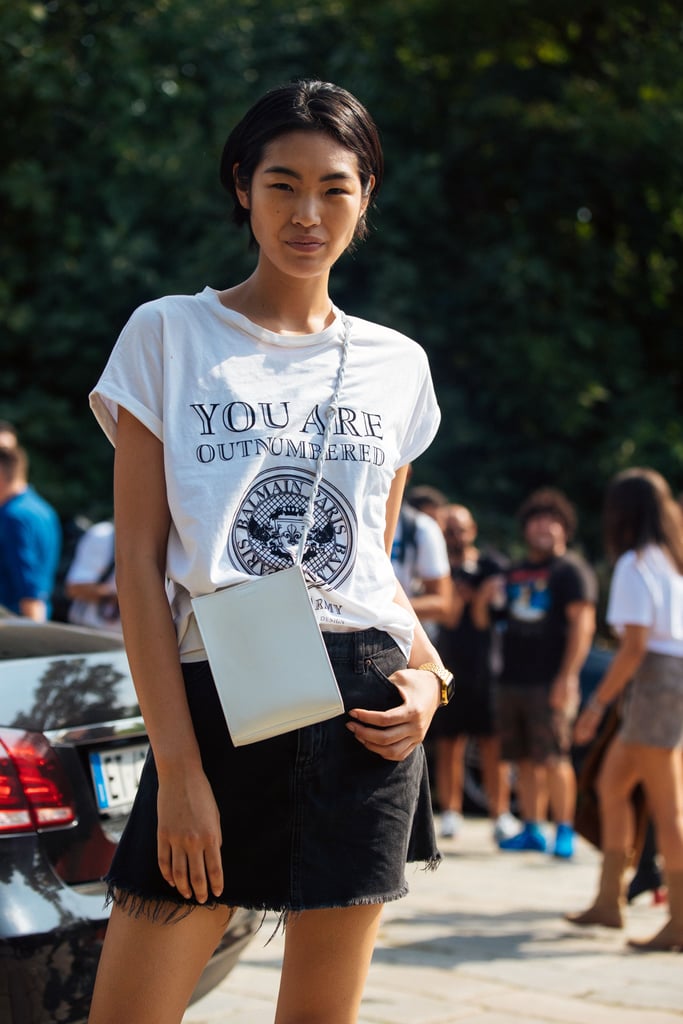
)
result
[(116, 775)]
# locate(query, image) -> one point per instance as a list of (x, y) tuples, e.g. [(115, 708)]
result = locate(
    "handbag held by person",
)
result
[(262, 639)]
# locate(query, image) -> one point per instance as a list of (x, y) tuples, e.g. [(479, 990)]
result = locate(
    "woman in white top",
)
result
[(91, 580), (644, 533), (216, 403)]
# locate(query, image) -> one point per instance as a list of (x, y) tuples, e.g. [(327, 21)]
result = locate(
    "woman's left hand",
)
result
[(394, 734)]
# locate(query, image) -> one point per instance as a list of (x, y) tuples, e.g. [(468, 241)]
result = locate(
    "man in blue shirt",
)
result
[(30, 540)]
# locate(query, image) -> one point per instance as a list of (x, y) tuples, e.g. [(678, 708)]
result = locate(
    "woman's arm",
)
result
[(630, 653), (189, 835), (394, 734), (422, 649), (89, 591), (489, 593)]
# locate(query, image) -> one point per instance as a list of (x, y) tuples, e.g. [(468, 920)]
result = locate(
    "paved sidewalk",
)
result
[(482, 941)]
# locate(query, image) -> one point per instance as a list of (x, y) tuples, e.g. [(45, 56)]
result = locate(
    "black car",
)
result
[(72, 744)]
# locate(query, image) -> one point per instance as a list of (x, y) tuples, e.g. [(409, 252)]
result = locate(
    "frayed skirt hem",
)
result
[(167, 910)]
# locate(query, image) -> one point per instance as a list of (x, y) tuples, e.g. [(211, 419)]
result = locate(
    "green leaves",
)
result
[(529, 232)]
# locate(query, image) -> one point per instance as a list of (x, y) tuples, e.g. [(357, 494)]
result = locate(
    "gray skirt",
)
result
[(310, 819), (653, 703)]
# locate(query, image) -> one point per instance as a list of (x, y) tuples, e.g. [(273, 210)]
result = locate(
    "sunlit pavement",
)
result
[(482, 941)]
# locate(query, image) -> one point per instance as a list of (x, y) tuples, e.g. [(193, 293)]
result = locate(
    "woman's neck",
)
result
[(282, 306)]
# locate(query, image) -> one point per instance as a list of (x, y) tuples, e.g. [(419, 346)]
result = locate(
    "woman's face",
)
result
[(305, 200)]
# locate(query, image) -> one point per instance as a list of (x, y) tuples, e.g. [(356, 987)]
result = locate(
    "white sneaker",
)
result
[(505, 826), (451, 823)]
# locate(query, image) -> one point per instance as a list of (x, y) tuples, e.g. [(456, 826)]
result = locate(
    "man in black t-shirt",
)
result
[(547, 628)]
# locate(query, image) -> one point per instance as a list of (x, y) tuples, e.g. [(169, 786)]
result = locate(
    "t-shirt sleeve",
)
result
[(577, 582), (423, 423), (630, 602), (133, 376)]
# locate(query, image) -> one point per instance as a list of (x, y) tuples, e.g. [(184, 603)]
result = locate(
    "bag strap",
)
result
[(309, 515)]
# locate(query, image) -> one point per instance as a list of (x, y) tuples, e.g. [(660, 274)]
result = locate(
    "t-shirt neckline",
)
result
[(262, 334)]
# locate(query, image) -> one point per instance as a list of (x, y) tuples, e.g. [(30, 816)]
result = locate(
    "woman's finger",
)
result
[(180, 874), (214, 868), (197, 876), (164, 859)]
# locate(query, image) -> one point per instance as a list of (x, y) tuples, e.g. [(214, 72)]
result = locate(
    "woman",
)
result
[(644, 531), (216, 405)]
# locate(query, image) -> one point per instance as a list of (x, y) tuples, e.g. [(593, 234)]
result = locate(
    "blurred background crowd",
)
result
[(529, 231)]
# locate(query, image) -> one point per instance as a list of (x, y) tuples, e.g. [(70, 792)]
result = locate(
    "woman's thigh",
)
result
[(148, 970), (326, 962), (662, 772)]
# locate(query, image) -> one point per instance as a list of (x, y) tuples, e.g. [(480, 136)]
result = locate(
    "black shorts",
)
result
[(309, 819), (530, 729)]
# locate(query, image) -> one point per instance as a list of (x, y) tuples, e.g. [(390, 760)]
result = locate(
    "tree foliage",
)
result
[(529, 232)]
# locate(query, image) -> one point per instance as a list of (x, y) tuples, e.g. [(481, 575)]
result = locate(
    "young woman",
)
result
[(216, 404), (644, 531)]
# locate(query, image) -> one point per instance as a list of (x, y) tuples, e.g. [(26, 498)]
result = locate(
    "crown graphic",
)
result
[(288, 510)]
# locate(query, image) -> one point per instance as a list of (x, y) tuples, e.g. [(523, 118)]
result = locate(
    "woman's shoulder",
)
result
[(371, 332), (167, 320), (626, 560), (648, 563), (658, 560), (166, 305)]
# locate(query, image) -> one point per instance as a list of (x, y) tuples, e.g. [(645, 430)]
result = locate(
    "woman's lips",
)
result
[(305, 244)]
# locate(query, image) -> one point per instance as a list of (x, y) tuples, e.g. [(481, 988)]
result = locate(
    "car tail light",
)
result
[(34, 790)]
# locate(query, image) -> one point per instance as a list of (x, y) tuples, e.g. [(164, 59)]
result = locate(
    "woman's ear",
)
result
[(241, 192), (367, 192)]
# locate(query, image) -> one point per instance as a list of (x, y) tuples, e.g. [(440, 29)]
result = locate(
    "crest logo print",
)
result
[(265, 533)]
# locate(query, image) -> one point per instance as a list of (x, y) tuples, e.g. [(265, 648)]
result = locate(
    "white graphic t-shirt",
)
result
[(647, 590), (241, 412)]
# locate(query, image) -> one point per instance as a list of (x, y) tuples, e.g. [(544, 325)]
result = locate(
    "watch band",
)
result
[(445, 678)]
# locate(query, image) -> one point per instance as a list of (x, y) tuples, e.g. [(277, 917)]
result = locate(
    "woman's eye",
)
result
[(336, 192), (283, 186)]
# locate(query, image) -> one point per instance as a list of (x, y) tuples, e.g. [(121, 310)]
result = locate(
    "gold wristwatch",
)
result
[(445, 678)]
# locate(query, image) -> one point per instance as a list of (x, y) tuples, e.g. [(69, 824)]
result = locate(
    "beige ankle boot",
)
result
[(607, 906), (670, 937)]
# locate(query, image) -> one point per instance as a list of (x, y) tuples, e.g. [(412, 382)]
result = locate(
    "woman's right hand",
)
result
[(189, 835), (189, 830), (587, 725)]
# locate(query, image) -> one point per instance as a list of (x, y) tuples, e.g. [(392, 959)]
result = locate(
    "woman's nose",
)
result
[(307, 212)]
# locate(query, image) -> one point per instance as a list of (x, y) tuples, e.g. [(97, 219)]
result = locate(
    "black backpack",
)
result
[(408, 539)]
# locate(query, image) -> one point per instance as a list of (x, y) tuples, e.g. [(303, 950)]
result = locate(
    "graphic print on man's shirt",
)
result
[(265, 533), (529, 597)]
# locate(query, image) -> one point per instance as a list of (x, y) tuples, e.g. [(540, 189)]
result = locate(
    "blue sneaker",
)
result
[(530, 838), (564, 842)]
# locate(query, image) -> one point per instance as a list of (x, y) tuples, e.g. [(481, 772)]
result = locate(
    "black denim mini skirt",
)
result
[(310, 819)]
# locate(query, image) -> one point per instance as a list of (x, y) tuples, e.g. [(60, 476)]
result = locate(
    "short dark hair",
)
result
[(549, 501), (307, 105), (8, 428), (13, 463), (425, 496)]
